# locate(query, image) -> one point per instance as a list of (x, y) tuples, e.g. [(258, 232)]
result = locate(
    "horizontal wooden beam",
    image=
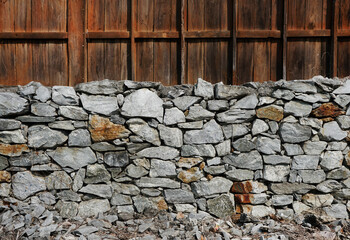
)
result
[(33, 35), (157, 34), (309, 33), (258, 34), (207, 34), (343, 33), (107, 35)]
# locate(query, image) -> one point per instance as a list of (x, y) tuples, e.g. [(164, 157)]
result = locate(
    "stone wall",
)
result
[(264, 149)]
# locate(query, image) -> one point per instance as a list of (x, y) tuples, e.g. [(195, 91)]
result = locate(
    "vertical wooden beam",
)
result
[(285, 42), (76, 15), (86, 19), (334, 40), (133, 12), (182, 43), (234, 42)]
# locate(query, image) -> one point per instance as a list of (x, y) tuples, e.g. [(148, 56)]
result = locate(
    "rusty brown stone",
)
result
[(13, 150), (327, 110), (5, 176), (242, 187), (190, 175), (188, 162), (102, 129), (161, 204), (244, 198), (202, 166), (272, 112), (328, 119)]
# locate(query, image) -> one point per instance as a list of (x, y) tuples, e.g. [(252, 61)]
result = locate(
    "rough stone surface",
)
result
[(271, 112), (173, 116), (204, 89), (58, 180), (102, 129), (99, 104), (40, 136), (221, 206), (116, 159), (105, 87), (211, 133), (236, 115), (12, 104), (294, 133), (24, 184), (165, 153), (93, 207), (332, 132), (297, 108), (252, 160), (142, 129), (63, 95), (214, 186), (79, 138), (73, 112)]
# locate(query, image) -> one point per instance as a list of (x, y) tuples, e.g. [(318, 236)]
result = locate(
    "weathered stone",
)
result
[(332, 132), (197, 113), (342, 100), (9, 124), (316, 201), (96, 173), (42, 94), (327, 110), (173, 116), (5, 176), (251, 160), (106, 147), (100, 190), (215, 186), (183, 103), (339, 173), (104, 87), (79, 138), (24, 184), (143, 103), (243, 145), (215, 170), (281, 200), (211, 133), (237, 130), (285, 214), (58, 180), (50, 167), (283, 94), (293, 149), (297, 108), (248, 187), (302, 162), (125, 212), (300, 207), (221, 206), (268, 146), (135, 171), (236, 115), (259, 126), (73, 112), (254, 199), (62, 125), (12, 104), (230, 91), (329, 186), (290, 188), (68, 209), (312, 122), (3, 163), (74, 158), (191, 175), (313, 98), (99, 104), (40, 136), (35, 119), (78, 179), (157, 182), (5, 189), (120, 199), (161, 168), (294, 132), (345, 89), (93, 207), (331, 160), (178, 196), (136, 85), (248, 102), (258, 211), (142, 129), (116, 159), (188, 162), (300, 86), (127, 189), (311, 176), (217, 105), (68, 195), (342, 194), (314, 148), (171, 136), (337, 211), (204, 89), (223, 148), (272, 112), (162, 152), (136, 147), (239, 174), (344, 122), (191, 125), (276, 173), (12, 137), (266, 100), (102, 129), (13, 150), (204, 150), (63, 95), (43, 110), (276, 159)]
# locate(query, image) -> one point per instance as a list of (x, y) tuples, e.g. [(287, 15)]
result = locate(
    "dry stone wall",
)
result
[(139, 147)]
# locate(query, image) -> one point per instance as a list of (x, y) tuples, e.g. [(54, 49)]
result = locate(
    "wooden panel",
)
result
[(344, 14), (7, 13), (7, 64), (23, 17), (343, 57), (108, 59), (208, 60), (307, 58), (95, 15), (117, 15)]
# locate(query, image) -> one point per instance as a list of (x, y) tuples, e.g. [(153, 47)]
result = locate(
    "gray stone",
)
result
[(339, 173), (161, 168), (150, 192), (243, 145), (337, 211), (62, 125), (215, 186), (259, 126), (281, 200), (311, 176), (231, 91), (147, 182), (42, 94), (295, 133), (204, 150), (297, 108), (183, 103), (276, 159), (342, 100), (100, 190), (96, 173), (67, 209), (345, 89), (248, 102), (142, 129), (106, 147), (283, 94), (290, 188), (313, 98), (344, 121), (299, 86), (125, 212), (238, 130), (12, 137), (276, 173), (51, 167), (293, 149), (312, 122), (35, 119), (68, 195), (217, 105), (268, 146), (104, 87), (93, 207), (266, 100), (136, 147), (63, 95), (314, 148), (178, 196), (332, 132), (29, 159), (173, 116), (3, 163), (43, 110), (236, 116), (211, 133), (223, 148), (73, 112), (58, 180), (329, 186), (29, 89), (135, 171), (99, 104), (191, 125), (331, 160), (85, 230), (12, 104), (239, 174), (162, 152), (40, 136), (143, 103), (215, 170), (120, 199), (204, 89), (5, 189), (9, 124), (302, 162), (74, 158), (127, 189), (251, 160), (136, 85), (197, 113), (171, 136), (79, 179), (24, 184), (222, 206), (116, 159), (79, 138)]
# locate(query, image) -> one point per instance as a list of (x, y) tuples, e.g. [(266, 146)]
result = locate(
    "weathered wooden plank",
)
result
[(343, 33), (145, 15), (57, 16), (163, 19), (284, 40), (7, 63), (245, 57), (41, 62), (40, 11), (195, 13), (33, 35), (234, 42), (261, 61), (7, 13), (334, 39), (194, 61), (343, 18), (309, 33), (145, 61), (24, 63), (106, 35), (96, 60), (183, 21), (258, 34), (23, 16), (117, 15), (133, 23), (157, 35), (343, 67), (162, 59), (57, 63), (96, 15)]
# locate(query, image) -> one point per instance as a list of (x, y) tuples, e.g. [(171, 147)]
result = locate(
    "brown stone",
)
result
[(271, 112), (5, 176), (190, 175), (248, 187), (102, 129), (188, 162), (13, 150), (161, 203), (327, 110)]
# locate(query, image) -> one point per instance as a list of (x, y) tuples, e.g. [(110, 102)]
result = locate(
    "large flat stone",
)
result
[(230, 91), (93, 207), (12, 137), (12, 104), (102, 129), (171, 136), (203, 150), (211, 133), (99, 104), (162, 152), (294, 132), (214, 186), (24, 184), (251, 160), (142, 129), (40, 136), (103, 87), (63, 95), (236, 115)]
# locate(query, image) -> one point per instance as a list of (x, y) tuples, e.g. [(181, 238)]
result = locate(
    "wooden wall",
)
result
[(64, 42)]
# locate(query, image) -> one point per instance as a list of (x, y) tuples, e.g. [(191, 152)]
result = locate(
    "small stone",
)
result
[(35, 119), (248, 187), (316, 201), (327, 110), (342, 100), (294, 133), (42, 94), (43, 110), (268, 146), (120, 199), (215, 170), (300, 207), (58, 180), (162, 152), (142, 129), (99, 104), (102, 129), (231, 91), (73, 112), (254, 199), (127, 189), (93, 207), (157, 182), (272, 112), (183, 103), (311, 176), (297, 108), (63, 95), (329, 186), (223, 148), (276, 159), (197, 113), (305, 162), (259, 126), (135, 171), (344, 89), (78, 179), (203, 150), (248, 102), (332, 132), (217, 105), (9, 124), (251, 160), (331, 160), (281, 200), (12, 137), (339, 173), (190, 175), (3, 163), (96, 173), (116, 159), (173, 116), (283, 94), (79, 138), (236, 115), (211, 133), (62, 125), (214, 186), (105, 86), (243, 145), (204, 89), (314, 148), (178, 196), (100, 190), (276, 173), (337, 211), (221, 206), (293, 149), (12, 104), (290, 188), (161, 168), (191, 125), (5, 176), (40, 136), (14, 150), (238, 130), (68, 195), (74, 158), (24, 184), (171, 136), (239, 174), (312, 122), (188, 162), (105, 147)]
